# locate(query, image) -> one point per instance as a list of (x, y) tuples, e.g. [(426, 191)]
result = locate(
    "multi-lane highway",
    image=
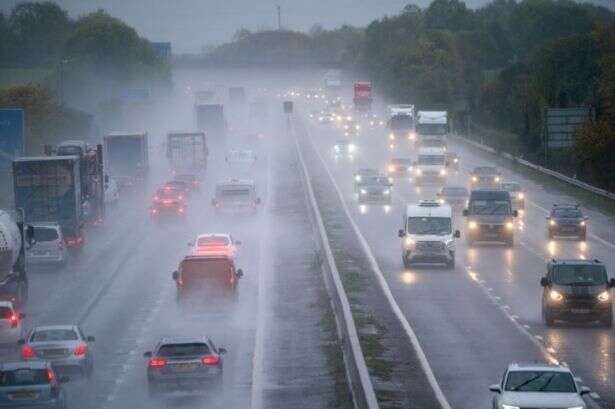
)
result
[(486, 313)]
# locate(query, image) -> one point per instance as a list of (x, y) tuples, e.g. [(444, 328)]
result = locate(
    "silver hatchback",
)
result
[(48, 246), (64, 346)]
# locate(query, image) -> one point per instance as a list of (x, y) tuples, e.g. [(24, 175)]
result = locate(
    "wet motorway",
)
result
[(486, 313)]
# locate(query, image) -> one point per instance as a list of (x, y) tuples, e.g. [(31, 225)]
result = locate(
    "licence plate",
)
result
[(23, 396), (579, 310), (184, 367)]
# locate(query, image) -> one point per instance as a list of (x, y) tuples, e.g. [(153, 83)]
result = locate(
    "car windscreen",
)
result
[(490, 207), (24, 377), (429, 225), (401, 122), (485, 171), (540, 381), (42, 234), (454, 191), (45, 335), (580, 274), (5, 313), (432, 129), (213, 241), (183, 350), (567, 212), (431, 160)]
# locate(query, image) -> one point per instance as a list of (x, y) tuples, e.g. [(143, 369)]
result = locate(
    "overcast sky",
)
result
[(189, 24)]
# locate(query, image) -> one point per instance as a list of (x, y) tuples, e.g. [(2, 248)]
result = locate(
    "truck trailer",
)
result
[(127, 157), (187, 151)]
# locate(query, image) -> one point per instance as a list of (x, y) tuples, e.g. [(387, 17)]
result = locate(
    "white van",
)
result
[(427, 235), (430, 166)]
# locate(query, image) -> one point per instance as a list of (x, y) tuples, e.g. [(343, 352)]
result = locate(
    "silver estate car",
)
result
[(31, 385), (64, 346)]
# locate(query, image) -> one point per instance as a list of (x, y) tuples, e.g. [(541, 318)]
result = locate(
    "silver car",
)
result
[(31, 385), (48, 246), (538, 386), (64, 346)]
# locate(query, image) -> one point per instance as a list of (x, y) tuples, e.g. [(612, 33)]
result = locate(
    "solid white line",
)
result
[(387, 291)]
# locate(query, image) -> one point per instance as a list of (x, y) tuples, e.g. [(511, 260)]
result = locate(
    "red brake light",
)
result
[(14, 320), (81, 349), (210, 360), (157, 362), (51, 376), (27, 352), (156, 198)]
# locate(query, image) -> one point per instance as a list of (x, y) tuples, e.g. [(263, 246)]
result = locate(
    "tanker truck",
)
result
[(13, 239)]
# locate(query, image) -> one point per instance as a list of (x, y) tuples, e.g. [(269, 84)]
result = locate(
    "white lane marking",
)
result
[(387, 290), (264, 267)]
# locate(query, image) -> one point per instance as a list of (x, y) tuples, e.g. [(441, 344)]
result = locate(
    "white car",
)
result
[(214, 244), (10, 323), (538, 386), (112, 192), (427, 235), (48, 246)]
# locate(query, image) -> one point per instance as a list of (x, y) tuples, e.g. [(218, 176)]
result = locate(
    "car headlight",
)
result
[(363, 191), (582, 223), (520, 195), (552, 223), (456, 160), (441, 201), (604, 296), (409, 242), (473, 225), (391, 168), (509, 225), (357, 127), (505, 406), (387, 192), (392, 136), (346, 127), (351, 148), (357, 178), (555, 295), (412, 136), (442, 172), (497, 178), (474, 179), (320, 119), (349, 118), (336, 148), (419, 172)]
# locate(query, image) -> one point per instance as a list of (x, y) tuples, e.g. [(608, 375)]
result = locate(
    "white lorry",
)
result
[(432, 125)]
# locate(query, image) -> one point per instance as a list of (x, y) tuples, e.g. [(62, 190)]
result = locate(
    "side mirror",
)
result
[(258, 200), (147, 354), (612, 282), (495, 388), (22, 316), (21, 341), (457, 234), (584, 390), (222, 351), (90, 339), (175, 275), (239, 273), (466, 212), (63, 379), (544, 282), (515, 213), (401, 233)]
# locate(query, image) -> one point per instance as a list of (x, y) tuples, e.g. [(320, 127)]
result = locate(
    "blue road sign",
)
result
[(11, 136)]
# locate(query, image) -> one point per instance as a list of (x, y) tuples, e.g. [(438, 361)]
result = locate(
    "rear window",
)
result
[(24, 377), (181, 350), (213, 241), (54, 335), (5, 313), (42, 234)]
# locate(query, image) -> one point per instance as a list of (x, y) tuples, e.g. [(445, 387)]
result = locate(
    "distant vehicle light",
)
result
[(456, 160), (555, 295), (582, 223), (419, 172), (473, 225), (497, 179), (391, 168), (27, 352), (442, 172), (392, 136), (357, 178), (474, 179), (552, 223), (604, 296), (509, 225)]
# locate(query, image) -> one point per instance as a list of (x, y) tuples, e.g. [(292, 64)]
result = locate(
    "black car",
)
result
[(567, 221), (577, 290), (184, 364), (490, 217)]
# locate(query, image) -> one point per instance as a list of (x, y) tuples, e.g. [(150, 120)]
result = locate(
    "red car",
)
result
[(168, 193)]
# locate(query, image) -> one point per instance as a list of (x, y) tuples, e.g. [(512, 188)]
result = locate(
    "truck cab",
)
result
[(427, 234), (432, 125), (490, 217), (401, 122), (430, 166)]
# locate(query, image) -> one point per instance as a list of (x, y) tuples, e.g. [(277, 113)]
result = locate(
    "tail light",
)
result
[(81, 349), (14, 320), (157, 362), (180, 197), (210, 360), (51, 376), (156, 198), (27, 352), (180, 210), (154, 211)]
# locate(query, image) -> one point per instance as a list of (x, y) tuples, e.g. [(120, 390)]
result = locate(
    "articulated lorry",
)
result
[(432, 125), (187, 151), (127, 157), (48, 189), (14, 235)]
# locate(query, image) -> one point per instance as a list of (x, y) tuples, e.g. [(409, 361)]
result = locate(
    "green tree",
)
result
[(449, 15), (40, 29)]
